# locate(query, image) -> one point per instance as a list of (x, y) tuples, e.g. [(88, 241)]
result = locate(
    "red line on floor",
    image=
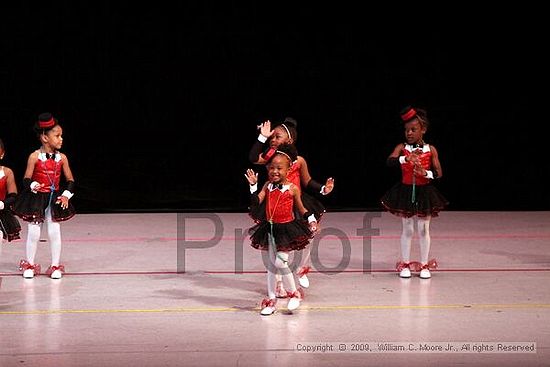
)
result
[(263, 271), (228, 238)]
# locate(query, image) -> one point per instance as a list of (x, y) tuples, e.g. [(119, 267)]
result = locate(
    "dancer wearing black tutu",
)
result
[(285, 132), (415, 195), (281, 231), (9, 225), (42, 200)]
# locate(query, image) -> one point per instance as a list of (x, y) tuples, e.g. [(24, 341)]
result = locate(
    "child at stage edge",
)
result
[(415, 195), (9, 225), (42, 200)]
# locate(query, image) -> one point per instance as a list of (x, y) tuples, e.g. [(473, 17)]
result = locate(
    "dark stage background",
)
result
[(160, 105)]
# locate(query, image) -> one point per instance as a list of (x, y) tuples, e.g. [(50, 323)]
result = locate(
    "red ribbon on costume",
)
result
[(401, 265), (53, 268), (416, 265), (296, 294), (266, 302), (432, 264), (24, 265), (305, 270)]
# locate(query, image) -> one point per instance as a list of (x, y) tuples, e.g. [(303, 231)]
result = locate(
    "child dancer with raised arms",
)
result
[(285, 132), (281, 231)]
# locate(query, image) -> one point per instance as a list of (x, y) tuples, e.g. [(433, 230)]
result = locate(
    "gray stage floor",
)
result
[(184, 290)]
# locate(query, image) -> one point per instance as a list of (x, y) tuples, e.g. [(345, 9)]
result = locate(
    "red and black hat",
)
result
[(46, 120), (408, 113)]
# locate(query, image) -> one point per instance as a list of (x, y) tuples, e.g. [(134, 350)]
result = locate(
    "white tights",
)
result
[(280, 260), (54, 236), (304, 261), (423, 227)]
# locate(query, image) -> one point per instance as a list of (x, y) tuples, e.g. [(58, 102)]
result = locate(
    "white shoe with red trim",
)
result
[(294, 301), (425, 274), (302, 277), (405, 273), (268, 307)]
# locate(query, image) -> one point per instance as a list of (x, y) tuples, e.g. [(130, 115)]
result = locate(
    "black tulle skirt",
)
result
[(290, 236), (428, 201), (9, 225), (257, 212), (31, 207)]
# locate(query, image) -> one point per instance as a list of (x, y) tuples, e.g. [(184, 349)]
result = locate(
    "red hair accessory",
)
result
[(408, 114)]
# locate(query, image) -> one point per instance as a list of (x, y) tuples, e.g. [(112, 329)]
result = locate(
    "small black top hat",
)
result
[(46, 120), (408, 113)]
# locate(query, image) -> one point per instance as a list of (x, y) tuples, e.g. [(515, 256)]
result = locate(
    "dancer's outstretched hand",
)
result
[(265, 129), (63, 201), (251, 176), (329, 185)]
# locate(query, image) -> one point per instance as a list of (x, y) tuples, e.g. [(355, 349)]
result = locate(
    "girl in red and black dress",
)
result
[(415, 195), (9, 225), (42, 199), (281, 231), (284, 133)]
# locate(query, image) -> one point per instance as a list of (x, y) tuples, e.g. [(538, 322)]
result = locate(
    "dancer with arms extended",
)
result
[(281, 231), (267, 143)]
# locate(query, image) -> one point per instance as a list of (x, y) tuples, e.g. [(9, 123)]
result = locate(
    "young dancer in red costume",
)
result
[(415, 195), (281, 231), (42, 200), (268, 141), (9, 225)]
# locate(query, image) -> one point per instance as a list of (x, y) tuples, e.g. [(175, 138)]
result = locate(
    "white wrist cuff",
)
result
[(33, 184), (67, 194), (1, 205), (311, 218), (322, 190), (253, 188), (429, 174), (402, 159), (262, 138)]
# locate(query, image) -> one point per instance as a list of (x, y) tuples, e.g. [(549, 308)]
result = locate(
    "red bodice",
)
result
[(279, 206), (425, 156), (294, 174), (47, 172), (3, 188)]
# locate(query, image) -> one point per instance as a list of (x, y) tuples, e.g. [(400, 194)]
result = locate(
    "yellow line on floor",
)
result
[(303, 308)]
